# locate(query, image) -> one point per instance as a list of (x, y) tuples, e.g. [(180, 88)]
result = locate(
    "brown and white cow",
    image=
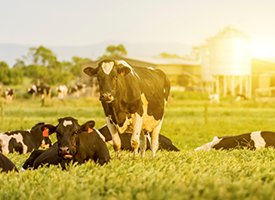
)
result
[(132, 96), (253, 140)]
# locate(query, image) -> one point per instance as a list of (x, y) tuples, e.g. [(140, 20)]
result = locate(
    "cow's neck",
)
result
[(128, 89), (37, 138)]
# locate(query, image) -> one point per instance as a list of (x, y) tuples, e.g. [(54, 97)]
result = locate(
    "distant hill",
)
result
[(10, 52)]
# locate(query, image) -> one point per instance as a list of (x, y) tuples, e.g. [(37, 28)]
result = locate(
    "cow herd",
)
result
[(133, 100), (75, 143)]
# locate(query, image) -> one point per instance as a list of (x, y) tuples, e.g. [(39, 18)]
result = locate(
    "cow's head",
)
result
[(67, 132), (108, 72), (41, 132)]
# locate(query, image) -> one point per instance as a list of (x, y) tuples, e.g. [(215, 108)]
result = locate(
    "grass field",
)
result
[(236, 174)]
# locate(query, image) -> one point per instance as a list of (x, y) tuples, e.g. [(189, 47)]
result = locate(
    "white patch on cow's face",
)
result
[(107, 67), (208, 146), (67, 123), (259, 141)]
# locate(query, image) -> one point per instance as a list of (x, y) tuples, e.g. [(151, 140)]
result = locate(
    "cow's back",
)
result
[(6, 164)]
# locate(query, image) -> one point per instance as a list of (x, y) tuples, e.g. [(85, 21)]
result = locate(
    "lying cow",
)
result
[(44, 158), (164, 142), (6, 164), (253, 140), (133, 96), (23, 141), (75, 142)]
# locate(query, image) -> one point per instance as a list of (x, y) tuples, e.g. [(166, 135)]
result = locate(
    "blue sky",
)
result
[(80, 22)]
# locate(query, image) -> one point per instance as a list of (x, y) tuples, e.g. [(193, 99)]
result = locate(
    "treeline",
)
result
[(41, 64)]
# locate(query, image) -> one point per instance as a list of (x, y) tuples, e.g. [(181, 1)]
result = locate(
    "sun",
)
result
[(262, 48)]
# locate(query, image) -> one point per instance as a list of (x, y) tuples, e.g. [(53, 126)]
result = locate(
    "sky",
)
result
[(84, 22)]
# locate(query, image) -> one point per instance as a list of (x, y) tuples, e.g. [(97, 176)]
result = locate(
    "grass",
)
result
[(236, 174)]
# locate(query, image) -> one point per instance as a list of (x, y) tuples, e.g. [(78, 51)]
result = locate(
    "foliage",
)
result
[(237, 174), (9, 75), (115, 51), (169, 56)]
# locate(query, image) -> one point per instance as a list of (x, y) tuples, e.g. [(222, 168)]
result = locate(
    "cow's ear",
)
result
[(123, 68), (122, 71), (89, 125), (90, 71), (51, 128)]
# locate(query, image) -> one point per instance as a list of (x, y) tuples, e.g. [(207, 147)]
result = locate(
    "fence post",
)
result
[(205, 112)]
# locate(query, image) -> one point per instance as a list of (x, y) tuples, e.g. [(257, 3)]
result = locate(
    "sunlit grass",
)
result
[(237, 174)]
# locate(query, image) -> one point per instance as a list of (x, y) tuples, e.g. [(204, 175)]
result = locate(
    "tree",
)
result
[(115, 50), (4, 73), (77, 63), (9, 75), (43, 56)]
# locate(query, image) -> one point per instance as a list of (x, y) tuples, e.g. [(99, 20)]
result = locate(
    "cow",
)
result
[(97, 150), (252, 141), (80, 143), (44, 158), (125, 138), (23, 141), (131, 96), (62, 91), (77, 89), (40, 90), (8, 94), (6, 165)]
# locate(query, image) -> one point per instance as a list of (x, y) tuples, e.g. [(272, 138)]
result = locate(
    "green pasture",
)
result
[(236, 174)]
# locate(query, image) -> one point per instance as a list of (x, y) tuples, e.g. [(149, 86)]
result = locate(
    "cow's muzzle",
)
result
[(65, 152), (106, 97)]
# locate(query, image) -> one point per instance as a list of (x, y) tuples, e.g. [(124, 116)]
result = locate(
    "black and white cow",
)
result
[(62, 91), (80, 143), (132, 96), (77, 89), (40, 90), (90, 145), (44, 158), (6, 164), (253, 140), (23, 141), (8, 94), (164, 142)]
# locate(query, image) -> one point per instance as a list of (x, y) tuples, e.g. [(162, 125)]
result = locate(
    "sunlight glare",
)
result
[(263, 49)]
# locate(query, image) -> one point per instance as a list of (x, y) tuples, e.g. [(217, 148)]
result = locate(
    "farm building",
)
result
[(223, 65), (263, 78), (179, 71), (226, 63)]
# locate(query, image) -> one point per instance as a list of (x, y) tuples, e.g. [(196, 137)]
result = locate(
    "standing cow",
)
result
[(132, 96), (23, 141)]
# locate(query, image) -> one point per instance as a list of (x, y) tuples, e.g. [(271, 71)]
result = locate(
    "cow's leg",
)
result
[(115, 136), (143, 143), (137, 125), (155, 138)]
